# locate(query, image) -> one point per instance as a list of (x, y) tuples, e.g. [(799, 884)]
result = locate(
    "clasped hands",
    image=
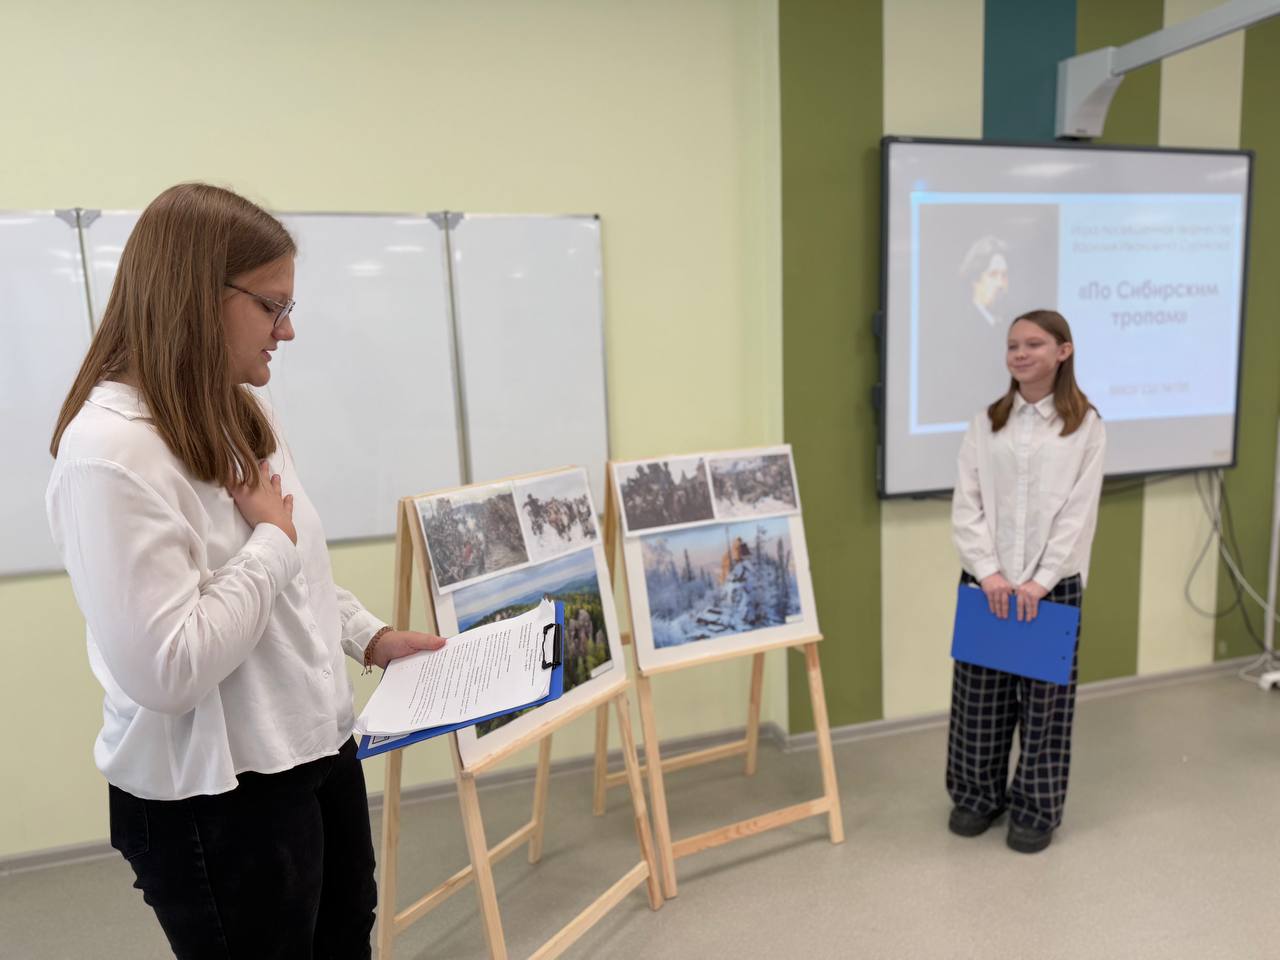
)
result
[(1028, 597)]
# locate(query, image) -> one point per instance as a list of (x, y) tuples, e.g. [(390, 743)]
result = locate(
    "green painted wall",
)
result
[(830, 63), (1249, 487), (1109, 645), (1023, 43)]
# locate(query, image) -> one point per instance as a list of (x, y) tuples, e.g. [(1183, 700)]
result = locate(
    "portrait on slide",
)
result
[(472, 533), (556, 514), (753, 485), (664, 493), (571, 579), (980, 265), (720, 580)]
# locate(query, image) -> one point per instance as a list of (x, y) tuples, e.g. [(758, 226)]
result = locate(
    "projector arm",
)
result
[(1086, 83)]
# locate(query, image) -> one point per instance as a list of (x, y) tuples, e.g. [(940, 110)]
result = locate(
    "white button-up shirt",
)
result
[(219, 646), (1026, 498)]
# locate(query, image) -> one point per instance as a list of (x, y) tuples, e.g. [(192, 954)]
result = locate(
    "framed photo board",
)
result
[(500, 548), (715, 554)]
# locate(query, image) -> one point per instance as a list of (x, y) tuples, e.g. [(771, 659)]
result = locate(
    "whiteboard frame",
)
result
[(71, 217)]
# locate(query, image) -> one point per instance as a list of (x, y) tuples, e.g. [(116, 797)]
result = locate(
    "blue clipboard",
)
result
[(372, 746), (1043, 649)]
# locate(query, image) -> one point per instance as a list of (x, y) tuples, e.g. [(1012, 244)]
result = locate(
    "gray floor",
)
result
[(1170, 850)]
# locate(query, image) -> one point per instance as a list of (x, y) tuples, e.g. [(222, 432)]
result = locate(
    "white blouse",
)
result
[(1026, 498), (219, 646)]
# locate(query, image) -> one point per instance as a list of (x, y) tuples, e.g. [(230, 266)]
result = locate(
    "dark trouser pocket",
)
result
[(129, 830)]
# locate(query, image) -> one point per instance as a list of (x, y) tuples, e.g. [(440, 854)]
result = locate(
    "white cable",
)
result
[(1213, 510)]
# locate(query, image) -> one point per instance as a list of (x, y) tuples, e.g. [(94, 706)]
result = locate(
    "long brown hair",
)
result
[(1068, 399), (163, 325)]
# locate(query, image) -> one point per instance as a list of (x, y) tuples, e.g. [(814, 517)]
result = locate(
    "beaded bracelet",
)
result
[(368, 651)]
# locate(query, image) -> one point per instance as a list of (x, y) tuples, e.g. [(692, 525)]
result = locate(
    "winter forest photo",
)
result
[(718, 581)]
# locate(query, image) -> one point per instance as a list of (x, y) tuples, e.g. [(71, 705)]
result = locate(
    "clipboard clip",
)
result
[(557, 645)]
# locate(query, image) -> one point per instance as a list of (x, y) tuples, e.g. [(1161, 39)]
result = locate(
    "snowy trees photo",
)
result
[(720, 580)]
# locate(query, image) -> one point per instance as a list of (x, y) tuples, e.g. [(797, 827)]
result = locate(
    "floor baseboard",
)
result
[(770, 733)]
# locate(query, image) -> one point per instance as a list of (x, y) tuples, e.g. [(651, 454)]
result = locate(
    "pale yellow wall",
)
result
[(661, 116), (932, 87), (1200, 93)]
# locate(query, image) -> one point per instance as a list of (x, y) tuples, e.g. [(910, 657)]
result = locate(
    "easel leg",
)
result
[(482, 869), (637, 798), (822, 729), (540, 799), (753, 712), (657, 788), (390, 855), (600, 792)]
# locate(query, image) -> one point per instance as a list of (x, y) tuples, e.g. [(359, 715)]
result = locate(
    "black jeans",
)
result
[(279, 867)]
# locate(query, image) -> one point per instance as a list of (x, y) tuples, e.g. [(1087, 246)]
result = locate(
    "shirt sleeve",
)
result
[(969, 527), (358, 624), (167, 638), (1071, 533)]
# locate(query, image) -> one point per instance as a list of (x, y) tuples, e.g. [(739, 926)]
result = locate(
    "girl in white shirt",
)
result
[(213, 623), (1023, 517)]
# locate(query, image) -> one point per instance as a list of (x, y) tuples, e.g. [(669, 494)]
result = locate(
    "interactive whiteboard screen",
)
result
[(44, 320), (1143, 251), (529, 309)]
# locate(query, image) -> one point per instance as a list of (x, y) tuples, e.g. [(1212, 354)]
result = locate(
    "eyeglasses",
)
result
[(282, 307)]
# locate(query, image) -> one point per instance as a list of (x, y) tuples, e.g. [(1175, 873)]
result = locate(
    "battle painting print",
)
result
[(664, 493), (753, 485), (472, 534), (556, 514)]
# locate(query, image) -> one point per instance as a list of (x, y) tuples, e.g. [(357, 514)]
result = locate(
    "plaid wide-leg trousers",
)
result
[(986, 707)]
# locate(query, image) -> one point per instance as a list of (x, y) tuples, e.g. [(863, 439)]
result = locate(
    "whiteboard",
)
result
[(529, 315), (44, 323), (365, 393), (105, 232)]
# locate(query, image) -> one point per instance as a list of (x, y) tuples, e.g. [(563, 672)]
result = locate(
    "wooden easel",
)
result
[(655, 766), (410, 546)]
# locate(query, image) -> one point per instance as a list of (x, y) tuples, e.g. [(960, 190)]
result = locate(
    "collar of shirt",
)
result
[(119, 398), (1044, 406)]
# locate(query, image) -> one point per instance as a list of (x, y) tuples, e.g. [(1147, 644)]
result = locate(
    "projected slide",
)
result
[(1142, 252)]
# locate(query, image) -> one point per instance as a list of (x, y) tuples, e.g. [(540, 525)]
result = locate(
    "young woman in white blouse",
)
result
[(1023, 517), (214, 624)]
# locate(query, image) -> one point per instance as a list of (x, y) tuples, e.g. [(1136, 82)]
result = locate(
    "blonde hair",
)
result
[(163, 325), (1068, 399)]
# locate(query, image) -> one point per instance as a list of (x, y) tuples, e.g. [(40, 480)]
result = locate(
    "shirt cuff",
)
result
[(357, 632), (1047, 579), (984, 568), (271, 547)]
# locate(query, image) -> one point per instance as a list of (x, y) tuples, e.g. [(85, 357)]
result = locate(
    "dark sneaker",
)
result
[(969, 823), (1028, 839)]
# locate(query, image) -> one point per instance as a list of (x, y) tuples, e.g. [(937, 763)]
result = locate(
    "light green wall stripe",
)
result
[(932, 87), (1109, 646), (1249, 487), (1199, 107), (830, 62)]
